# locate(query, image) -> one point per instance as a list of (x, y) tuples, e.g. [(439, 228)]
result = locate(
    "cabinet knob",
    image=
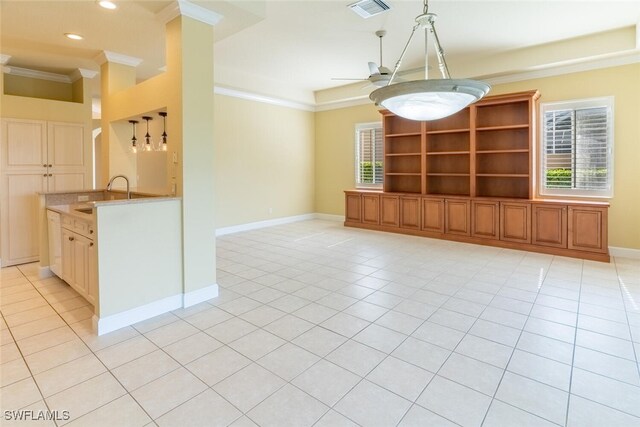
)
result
[(90, 231), (50, 174), (70, 239), (49, 165), (91, 244), (44, 174), (44, 166)]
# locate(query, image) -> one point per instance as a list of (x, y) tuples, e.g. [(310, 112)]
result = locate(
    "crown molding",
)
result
[(4, 58), (186, 8), (262, 98), (118, 58), (566, 68), (80, 73), (35, 74)]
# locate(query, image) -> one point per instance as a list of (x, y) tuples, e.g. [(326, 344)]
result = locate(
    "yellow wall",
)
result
[(38, 88), (264, 160), (335, 142), (335, 154)]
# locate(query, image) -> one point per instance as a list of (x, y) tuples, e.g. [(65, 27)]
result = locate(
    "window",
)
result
[(577, 148), (369, 155)]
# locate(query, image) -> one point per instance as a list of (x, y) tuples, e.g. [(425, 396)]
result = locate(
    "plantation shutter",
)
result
[(369, 155), (576, 155)]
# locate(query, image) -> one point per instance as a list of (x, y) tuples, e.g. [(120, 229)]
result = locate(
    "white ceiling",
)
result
[(292, 48)]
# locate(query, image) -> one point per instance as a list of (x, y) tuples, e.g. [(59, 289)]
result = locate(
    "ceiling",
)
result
[(293, 48)]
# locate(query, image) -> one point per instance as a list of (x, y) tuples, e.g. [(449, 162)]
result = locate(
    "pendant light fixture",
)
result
[(428, 99), (134, 148), (163, 142), (147, 137)]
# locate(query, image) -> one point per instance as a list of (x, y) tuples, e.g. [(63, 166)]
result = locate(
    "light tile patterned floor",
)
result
[(317, 324)]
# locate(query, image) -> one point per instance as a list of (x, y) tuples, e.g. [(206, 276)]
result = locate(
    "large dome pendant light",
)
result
[(428, 99)]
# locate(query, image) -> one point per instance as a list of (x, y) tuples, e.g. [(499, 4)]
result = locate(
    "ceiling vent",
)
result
[(369, 8)]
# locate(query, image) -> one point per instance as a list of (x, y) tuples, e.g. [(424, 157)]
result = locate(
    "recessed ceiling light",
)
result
[(73, 36), (107, 4)]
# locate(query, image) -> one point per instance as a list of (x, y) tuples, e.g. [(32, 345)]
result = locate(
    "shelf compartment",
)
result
[(446, 142), (403, 164), (403, 145), (502, 163), (403, 183), (503, 139), (505, 114), (448, 185), (502, 186), (398, 125), (451, 164), (459, 120)]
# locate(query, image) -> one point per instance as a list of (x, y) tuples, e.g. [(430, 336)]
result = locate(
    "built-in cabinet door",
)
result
[(433, 214), (19, 216), (67, 255), (66, 156), (24, 145), (549, 225), (389, 211), (353, 208), (371, 208), (586, 230), (92, 287), (485, 219), (515, 222), (81, 263), (410, 212), (457, 217)]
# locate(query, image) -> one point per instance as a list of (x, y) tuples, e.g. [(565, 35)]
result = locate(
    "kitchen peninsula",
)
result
[(123, 255)]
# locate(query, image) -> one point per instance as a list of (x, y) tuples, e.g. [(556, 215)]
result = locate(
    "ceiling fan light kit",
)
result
[(428, 99)]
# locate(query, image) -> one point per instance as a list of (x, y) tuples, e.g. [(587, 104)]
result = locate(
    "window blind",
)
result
[(577, 150), (369, 156)]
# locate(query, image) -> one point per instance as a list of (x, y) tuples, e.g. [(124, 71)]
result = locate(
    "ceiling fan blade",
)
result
[(373, 68)]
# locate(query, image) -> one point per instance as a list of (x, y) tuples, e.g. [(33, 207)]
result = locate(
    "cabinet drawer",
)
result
[(67, 221)]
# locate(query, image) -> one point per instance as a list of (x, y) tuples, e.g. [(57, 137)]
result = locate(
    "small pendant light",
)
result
[(147, 137), (163, 143), (134, 148)]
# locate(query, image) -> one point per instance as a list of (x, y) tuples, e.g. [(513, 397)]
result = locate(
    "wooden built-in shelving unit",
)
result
[(469, 177)]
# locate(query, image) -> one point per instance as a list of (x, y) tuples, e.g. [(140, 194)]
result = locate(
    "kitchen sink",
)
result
[(85, 210)]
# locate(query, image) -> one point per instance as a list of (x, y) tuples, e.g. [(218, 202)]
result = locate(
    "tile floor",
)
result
[(317, 324)]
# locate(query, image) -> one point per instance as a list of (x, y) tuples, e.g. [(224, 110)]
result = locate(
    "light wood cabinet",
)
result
[(389, 210), (485, 219), (79, 266), (410, 212), (549, 225), (433, 214), (371, 208), (587, 229), (457, 219), (36, 156), (515, 222)]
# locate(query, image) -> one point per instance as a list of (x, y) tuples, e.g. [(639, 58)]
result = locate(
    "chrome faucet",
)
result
[(114, 178)]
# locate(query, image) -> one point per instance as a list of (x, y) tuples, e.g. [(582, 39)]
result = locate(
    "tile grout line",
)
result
[(573, 352), (493, 398)]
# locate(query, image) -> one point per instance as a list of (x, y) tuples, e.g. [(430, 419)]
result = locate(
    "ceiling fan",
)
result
[(379, 75)]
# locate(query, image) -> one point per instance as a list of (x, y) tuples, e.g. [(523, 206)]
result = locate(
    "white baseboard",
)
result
[(262, 224), (330, 217), (104, 325), (44, 272), (199, 295), (624, 252)]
